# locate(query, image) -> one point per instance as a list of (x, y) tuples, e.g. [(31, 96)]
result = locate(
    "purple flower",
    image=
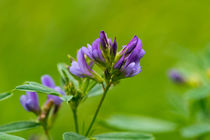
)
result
[(102, 51), (103, 40), (131, 45), (176, 76), (94, 52), (30, 102), (129, 63), (113, 49), (81, 68), (49, 82)]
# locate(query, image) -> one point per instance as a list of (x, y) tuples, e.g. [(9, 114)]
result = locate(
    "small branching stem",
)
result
[(98, 109), (43, 118)]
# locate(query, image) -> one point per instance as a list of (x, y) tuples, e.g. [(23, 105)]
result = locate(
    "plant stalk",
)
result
[(46, 130), (75, 120), (203, 107), (98, 109), (47, 134)]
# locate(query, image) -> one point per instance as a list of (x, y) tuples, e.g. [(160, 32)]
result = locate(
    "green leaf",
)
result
[(36, 87), (9, 137), (4, 96), (85, 84), (124, 136), (145, 124), (73, 136), (65, 74), (66, 98), (96, 90), (198, 93), (195, 130), (18, 126)]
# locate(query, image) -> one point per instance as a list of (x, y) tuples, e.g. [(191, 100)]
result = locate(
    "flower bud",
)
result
[(103, 40), (30, 102), (176, 76), (113, 50), (102, 51), (131, 45), (128, 64), (49, 82)]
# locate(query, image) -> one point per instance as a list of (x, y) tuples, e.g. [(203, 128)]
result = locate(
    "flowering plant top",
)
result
[(81, 80)]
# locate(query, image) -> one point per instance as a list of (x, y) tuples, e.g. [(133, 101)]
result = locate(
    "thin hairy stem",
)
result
[(98, 109)]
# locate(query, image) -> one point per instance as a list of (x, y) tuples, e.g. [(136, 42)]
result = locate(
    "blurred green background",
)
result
[(36, 35)]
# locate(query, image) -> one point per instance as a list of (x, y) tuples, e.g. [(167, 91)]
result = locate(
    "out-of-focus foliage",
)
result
[(193, 104), (9, 137), (142, 124)]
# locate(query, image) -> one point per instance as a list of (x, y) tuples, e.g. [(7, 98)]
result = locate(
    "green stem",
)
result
[(47, 134), (75, 120), (98, 109), (43, 118), (204, 108), (46, 131)]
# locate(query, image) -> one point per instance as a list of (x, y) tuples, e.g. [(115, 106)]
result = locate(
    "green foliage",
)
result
[(73, 136), (124, 136), (96, 90), (66, 98), (4, 136), (144, 124), (18, 126), (4, 96), (36, 87), (195, 130), (198, 93), (65, 74), (109, 136)]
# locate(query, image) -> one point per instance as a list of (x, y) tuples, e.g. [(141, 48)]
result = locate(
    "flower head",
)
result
[(30, 102), (103, 52), (128, 64), (49, 82)]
